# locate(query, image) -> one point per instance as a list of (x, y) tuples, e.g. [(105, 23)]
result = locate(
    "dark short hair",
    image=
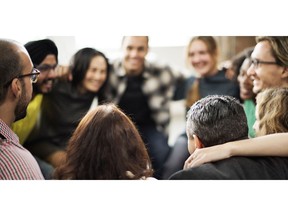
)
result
[(10, 65), (217, 119)]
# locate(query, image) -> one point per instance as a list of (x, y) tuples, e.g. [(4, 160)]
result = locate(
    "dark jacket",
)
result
[(238, 168)]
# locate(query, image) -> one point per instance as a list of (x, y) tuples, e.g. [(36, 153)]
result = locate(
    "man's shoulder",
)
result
[(237, 168), (206, 171)]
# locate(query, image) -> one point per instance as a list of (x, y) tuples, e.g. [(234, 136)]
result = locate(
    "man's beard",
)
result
[(21, 108)]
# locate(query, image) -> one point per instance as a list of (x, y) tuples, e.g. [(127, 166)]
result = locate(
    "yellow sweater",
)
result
[(23, 127)]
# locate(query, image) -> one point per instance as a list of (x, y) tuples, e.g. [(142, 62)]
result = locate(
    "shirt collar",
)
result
[(7, 132)]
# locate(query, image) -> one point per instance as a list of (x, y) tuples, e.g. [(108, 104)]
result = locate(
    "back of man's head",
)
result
[(38, 50), (217, 119), (10, 64)]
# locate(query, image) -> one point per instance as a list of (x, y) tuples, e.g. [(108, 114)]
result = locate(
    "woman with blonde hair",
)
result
[(271, 112), (106, 146)]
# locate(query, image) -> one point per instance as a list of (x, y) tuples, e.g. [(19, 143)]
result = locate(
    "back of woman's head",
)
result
[(272, 106), (105, 145), (80, 64)]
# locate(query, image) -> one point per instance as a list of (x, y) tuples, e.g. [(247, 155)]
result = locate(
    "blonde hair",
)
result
[(272, 106), (212, 48)]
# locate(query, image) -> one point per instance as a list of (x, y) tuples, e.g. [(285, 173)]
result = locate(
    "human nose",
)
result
[(251, 71), (52, 73), (247, 80), (134, 53)]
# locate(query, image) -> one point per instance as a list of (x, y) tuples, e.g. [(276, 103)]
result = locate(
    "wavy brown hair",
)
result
[(272, 106), (105, 145)]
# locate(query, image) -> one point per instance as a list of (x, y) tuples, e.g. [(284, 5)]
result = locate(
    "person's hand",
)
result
[(57, 158), (63, 72), (205, 155), (229, 71)]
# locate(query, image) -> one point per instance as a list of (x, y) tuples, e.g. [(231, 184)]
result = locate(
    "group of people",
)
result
[(100, 120)]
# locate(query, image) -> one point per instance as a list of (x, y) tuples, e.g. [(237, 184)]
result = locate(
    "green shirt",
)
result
[(249, 108)]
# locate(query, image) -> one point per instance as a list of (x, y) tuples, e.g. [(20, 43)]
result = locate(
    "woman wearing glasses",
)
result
[(269, 69), (67, 103)]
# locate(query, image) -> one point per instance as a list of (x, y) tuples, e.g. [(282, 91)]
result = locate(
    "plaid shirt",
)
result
[(158, 86), (16, 163)]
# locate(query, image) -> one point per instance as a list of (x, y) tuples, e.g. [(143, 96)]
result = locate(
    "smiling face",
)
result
[(95, 75), (245, 81), (47, 75), (265, 75), (135, 50), (201, 59)]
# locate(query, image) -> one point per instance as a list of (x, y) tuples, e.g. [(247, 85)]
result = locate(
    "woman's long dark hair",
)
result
[(105, 145), (80, 64)]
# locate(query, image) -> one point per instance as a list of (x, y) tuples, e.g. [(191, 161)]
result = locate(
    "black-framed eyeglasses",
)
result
[(256, 62), (46, 68), (33, 75)]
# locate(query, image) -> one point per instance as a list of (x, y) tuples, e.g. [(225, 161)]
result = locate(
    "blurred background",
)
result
[(166, 49)]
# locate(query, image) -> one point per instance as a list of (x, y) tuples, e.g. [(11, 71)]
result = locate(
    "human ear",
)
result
[(198, 143), (16, 87), (285, 72)]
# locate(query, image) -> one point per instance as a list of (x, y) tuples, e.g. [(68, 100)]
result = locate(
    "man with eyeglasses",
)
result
[(16, 77), (44, 56), (269, 66)]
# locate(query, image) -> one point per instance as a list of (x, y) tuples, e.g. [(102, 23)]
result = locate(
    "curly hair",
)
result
[(217, 119), (272, 106), (105, 145)]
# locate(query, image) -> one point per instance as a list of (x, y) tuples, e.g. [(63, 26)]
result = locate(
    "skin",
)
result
[(20, 93), (245, 82), (201, 59), (26, 92), (95, 76), (94, 79), (269, 145), (135, 49), (46, 77), (266, 75)]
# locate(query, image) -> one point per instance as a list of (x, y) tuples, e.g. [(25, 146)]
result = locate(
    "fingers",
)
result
[(63, 72), (194, 160)]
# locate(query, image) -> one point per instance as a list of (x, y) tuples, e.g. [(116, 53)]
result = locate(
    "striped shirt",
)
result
[(16, 163)]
